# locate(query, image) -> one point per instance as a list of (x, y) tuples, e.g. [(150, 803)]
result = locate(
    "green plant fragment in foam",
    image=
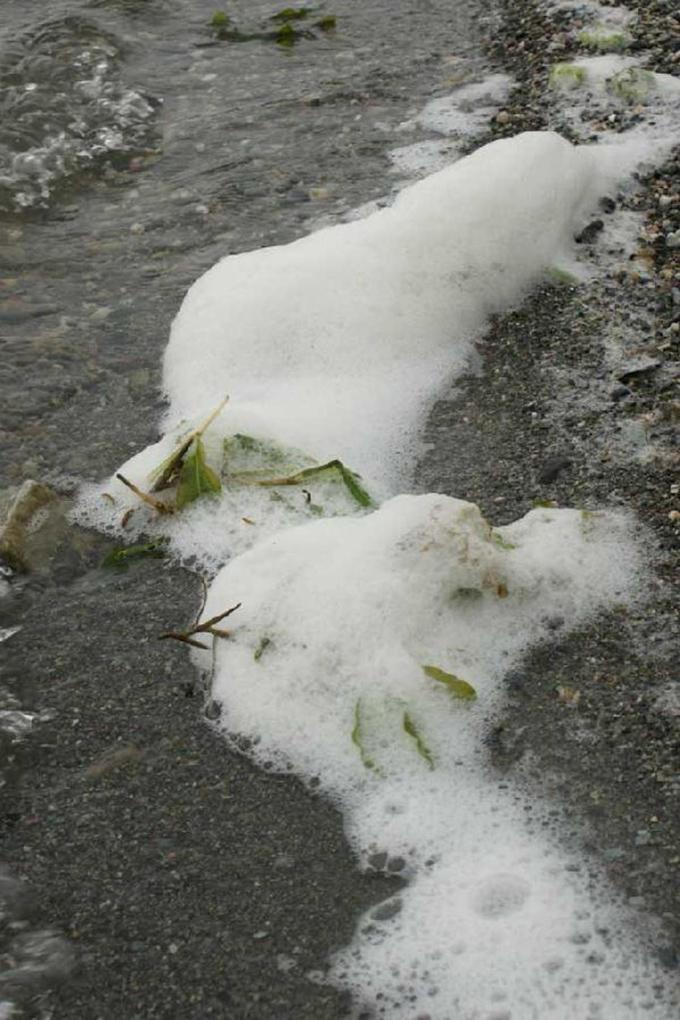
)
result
[(567, 76), (600, 38), (545, 504), (456, 687), (263, 645), (196, 477), (358, 739), (121, 557), (248, 460), (421, 747), (560, 277), (332, 467), (632, 85), (501, 542)]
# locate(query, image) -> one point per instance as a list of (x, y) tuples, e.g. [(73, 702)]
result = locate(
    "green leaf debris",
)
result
[(358, 738), (349, 478), (196, 477), (456, 687), (421, 747), (207, 627), (120, 557)]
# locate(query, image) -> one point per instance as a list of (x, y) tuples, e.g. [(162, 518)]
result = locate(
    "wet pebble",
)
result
[(552, 468)]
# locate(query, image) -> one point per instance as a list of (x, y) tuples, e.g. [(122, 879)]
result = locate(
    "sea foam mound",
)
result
[(337, 342), (368, 655)]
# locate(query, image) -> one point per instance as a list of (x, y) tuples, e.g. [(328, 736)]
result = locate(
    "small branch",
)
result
[(184, 638), (202, 627), (162, 508)]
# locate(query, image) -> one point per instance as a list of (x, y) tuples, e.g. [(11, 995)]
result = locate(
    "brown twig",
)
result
[(161, 507), (208, 627), (202, 627)]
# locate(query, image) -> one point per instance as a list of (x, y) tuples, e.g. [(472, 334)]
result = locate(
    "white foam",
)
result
[(337, 344), (351, 610), (426, 157), (468, 109)]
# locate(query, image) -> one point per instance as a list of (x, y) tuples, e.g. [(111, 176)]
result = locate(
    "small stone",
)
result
[(213, 710), (387, 910), (589, 233), (619, 392), (639, 366), (673, 239), (99, 314), (668, 956), (607, 204), (137, 228), (503, 118), (378, 861), (568, 696), (552, 468)]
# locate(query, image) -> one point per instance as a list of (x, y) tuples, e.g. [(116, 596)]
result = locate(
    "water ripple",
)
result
[(64, 110)]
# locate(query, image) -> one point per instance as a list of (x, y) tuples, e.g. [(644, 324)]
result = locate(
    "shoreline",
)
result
[(133, 809)]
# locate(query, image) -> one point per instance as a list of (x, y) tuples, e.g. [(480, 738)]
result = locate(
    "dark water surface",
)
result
[(135, 150)]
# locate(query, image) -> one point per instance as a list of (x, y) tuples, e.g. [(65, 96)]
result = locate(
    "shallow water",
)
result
[(135, 150)]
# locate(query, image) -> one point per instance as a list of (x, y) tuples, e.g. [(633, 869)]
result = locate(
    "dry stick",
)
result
[(177, 457), (162, 508), (202, 628), (176, 636)]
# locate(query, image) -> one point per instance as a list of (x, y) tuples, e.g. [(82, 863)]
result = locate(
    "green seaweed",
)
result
[(421, 747), (601, 38), (501, 542), (170, 470), (248, 460), (262, 646), (220, 20), (291, 14), (326, 24), (632, 85), (567, 76), (545, 504), (560, 277), (358, 739), (196, 478), (286, 35), (456, 687), (120, 557), (589, 519), (349, 479)]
